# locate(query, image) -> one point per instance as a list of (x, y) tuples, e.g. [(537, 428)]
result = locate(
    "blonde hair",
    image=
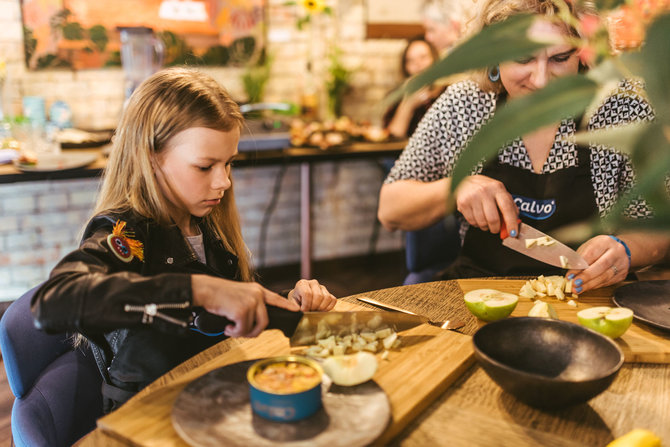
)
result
[(496, 11), (165, 104)]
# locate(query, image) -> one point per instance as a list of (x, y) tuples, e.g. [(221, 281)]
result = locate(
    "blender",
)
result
[(141, 55)]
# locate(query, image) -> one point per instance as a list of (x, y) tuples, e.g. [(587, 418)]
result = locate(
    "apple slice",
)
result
[(349, 370), (610, 321), (543, 310), (490, 304)]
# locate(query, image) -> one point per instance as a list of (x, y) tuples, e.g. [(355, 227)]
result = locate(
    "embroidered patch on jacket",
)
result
[(123, 245)]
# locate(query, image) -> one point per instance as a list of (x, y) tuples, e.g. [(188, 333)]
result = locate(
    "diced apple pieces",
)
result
[(543, 286), (373, 341), (390, 340), (527, 291), (564, 262), (544, 241)]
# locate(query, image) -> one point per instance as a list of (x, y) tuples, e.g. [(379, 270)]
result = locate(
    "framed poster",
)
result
[(393, 19), (80, 34)]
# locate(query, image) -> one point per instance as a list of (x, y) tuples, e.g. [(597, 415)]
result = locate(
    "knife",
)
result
[(556, 254), (305, 328), (314, 326)]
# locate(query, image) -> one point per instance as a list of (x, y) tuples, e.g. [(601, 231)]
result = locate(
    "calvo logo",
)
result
[(538, 209)]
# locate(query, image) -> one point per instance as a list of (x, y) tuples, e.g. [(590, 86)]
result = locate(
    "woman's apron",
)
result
[(545, 202)]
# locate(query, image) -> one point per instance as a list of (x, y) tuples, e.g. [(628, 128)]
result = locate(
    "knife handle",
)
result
[(384, 305), (503, 229), (279, 318)]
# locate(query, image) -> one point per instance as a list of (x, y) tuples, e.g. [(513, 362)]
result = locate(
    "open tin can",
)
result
[(285, 388)]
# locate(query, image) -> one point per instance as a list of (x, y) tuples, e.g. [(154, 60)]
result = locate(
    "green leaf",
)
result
[(656, 67), (498, 43), (651, 159), (623, 138), (567, 96)]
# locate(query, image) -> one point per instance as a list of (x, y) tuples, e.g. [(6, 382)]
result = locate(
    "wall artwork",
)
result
[(81, 34)]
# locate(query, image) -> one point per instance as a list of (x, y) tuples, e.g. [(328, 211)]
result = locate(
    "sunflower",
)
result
[(313, 6)]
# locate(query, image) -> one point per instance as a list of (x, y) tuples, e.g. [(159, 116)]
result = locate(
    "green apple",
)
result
[(610, 321), (543, 310), (349, 370), (490, 304)]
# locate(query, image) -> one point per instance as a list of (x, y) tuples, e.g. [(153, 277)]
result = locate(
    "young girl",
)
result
[(163, 261)]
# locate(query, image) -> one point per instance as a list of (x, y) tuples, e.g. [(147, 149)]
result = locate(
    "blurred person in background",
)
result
[(402, 117), (445, 21)]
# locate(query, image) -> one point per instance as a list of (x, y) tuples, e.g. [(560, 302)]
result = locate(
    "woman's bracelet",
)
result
[(624, 246)]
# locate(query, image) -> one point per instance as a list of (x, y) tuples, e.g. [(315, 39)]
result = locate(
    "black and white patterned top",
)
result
[(462, 110)]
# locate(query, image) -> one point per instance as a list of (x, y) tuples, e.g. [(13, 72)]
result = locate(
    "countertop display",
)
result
[(10, 173)]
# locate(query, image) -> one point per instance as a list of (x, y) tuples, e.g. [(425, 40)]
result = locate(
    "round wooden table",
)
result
[(474, 411)]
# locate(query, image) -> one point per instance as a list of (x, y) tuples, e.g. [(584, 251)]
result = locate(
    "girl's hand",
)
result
[(311, 295), (243, 303), (608, 264), (483, 200)]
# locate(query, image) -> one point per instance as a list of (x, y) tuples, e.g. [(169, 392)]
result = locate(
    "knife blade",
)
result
[(549, 254), (317, 325), (305, 328)]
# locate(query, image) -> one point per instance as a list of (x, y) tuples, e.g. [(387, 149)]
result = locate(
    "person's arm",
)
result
[(91, 290), (411, 204), (401, 119), (608, 258), (243, 303)]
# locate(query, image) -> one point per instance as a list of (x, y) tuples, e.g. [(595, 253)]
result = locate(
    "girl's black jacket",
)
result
[(138, 315)]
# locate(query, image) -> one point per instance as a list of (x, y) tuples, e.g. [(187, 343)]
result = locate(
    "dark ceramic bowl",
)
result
[(547, 363)]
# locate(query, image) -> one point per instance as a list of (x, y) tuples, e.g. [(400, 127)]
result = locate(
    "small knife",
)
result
[(549, 254)]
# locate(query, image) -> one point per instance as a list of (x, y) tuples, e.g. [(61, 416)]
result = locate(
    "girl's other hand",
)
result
[(312, 296), (243, 303), (483, 200), (608, 264)]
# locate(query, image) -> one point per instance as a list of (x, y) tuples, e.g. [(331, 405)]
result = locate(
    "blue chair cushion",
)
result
[(63, 404), (26, 351)]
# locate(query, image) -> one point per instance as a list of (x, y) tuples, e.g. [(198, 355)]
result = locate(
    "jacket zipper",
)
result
[(149, 311)]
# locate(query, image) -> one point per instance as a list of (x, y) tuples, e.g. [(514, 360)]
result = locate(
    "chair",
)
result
[(57, 388), (430, 250)]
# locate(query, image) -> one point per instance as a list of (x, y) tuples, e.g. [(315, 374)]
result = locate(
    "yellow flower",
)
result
[(3, 70), (313, 6)]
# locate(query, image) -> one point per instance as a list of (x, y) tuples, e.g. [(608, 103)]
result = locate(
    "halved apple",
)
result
[(610, 321), (490, 304), (349, 370)]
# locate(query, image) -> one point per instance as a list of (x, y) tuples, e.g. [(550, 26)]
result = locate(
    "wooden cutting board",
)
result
[(428, 362), (641, 343)]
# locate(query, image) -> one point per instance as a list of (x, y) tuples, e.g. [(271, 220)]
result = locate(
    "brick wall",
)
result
[(41, 221)]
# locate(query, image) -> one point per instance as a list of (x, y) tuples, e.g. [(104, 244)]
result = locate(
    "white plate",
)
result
[(57, 162)]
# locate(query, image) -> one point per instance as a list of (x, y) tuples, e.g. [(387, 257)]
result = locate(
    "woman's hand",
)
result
[(243, 303), (311, 295), (482, 200), (608, 264)]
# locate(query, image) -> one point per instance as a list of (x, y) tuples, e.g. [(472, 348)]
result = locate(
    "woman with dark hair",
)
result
[(572, 183), (402, 117)]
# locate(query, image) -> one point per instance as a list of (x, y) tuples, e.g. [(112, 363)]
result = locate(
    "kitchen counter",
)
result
[(10, 174)]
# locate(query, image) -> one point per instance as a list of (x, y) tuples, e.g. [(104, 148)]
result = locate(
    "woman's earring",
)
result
[(494, 74)]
